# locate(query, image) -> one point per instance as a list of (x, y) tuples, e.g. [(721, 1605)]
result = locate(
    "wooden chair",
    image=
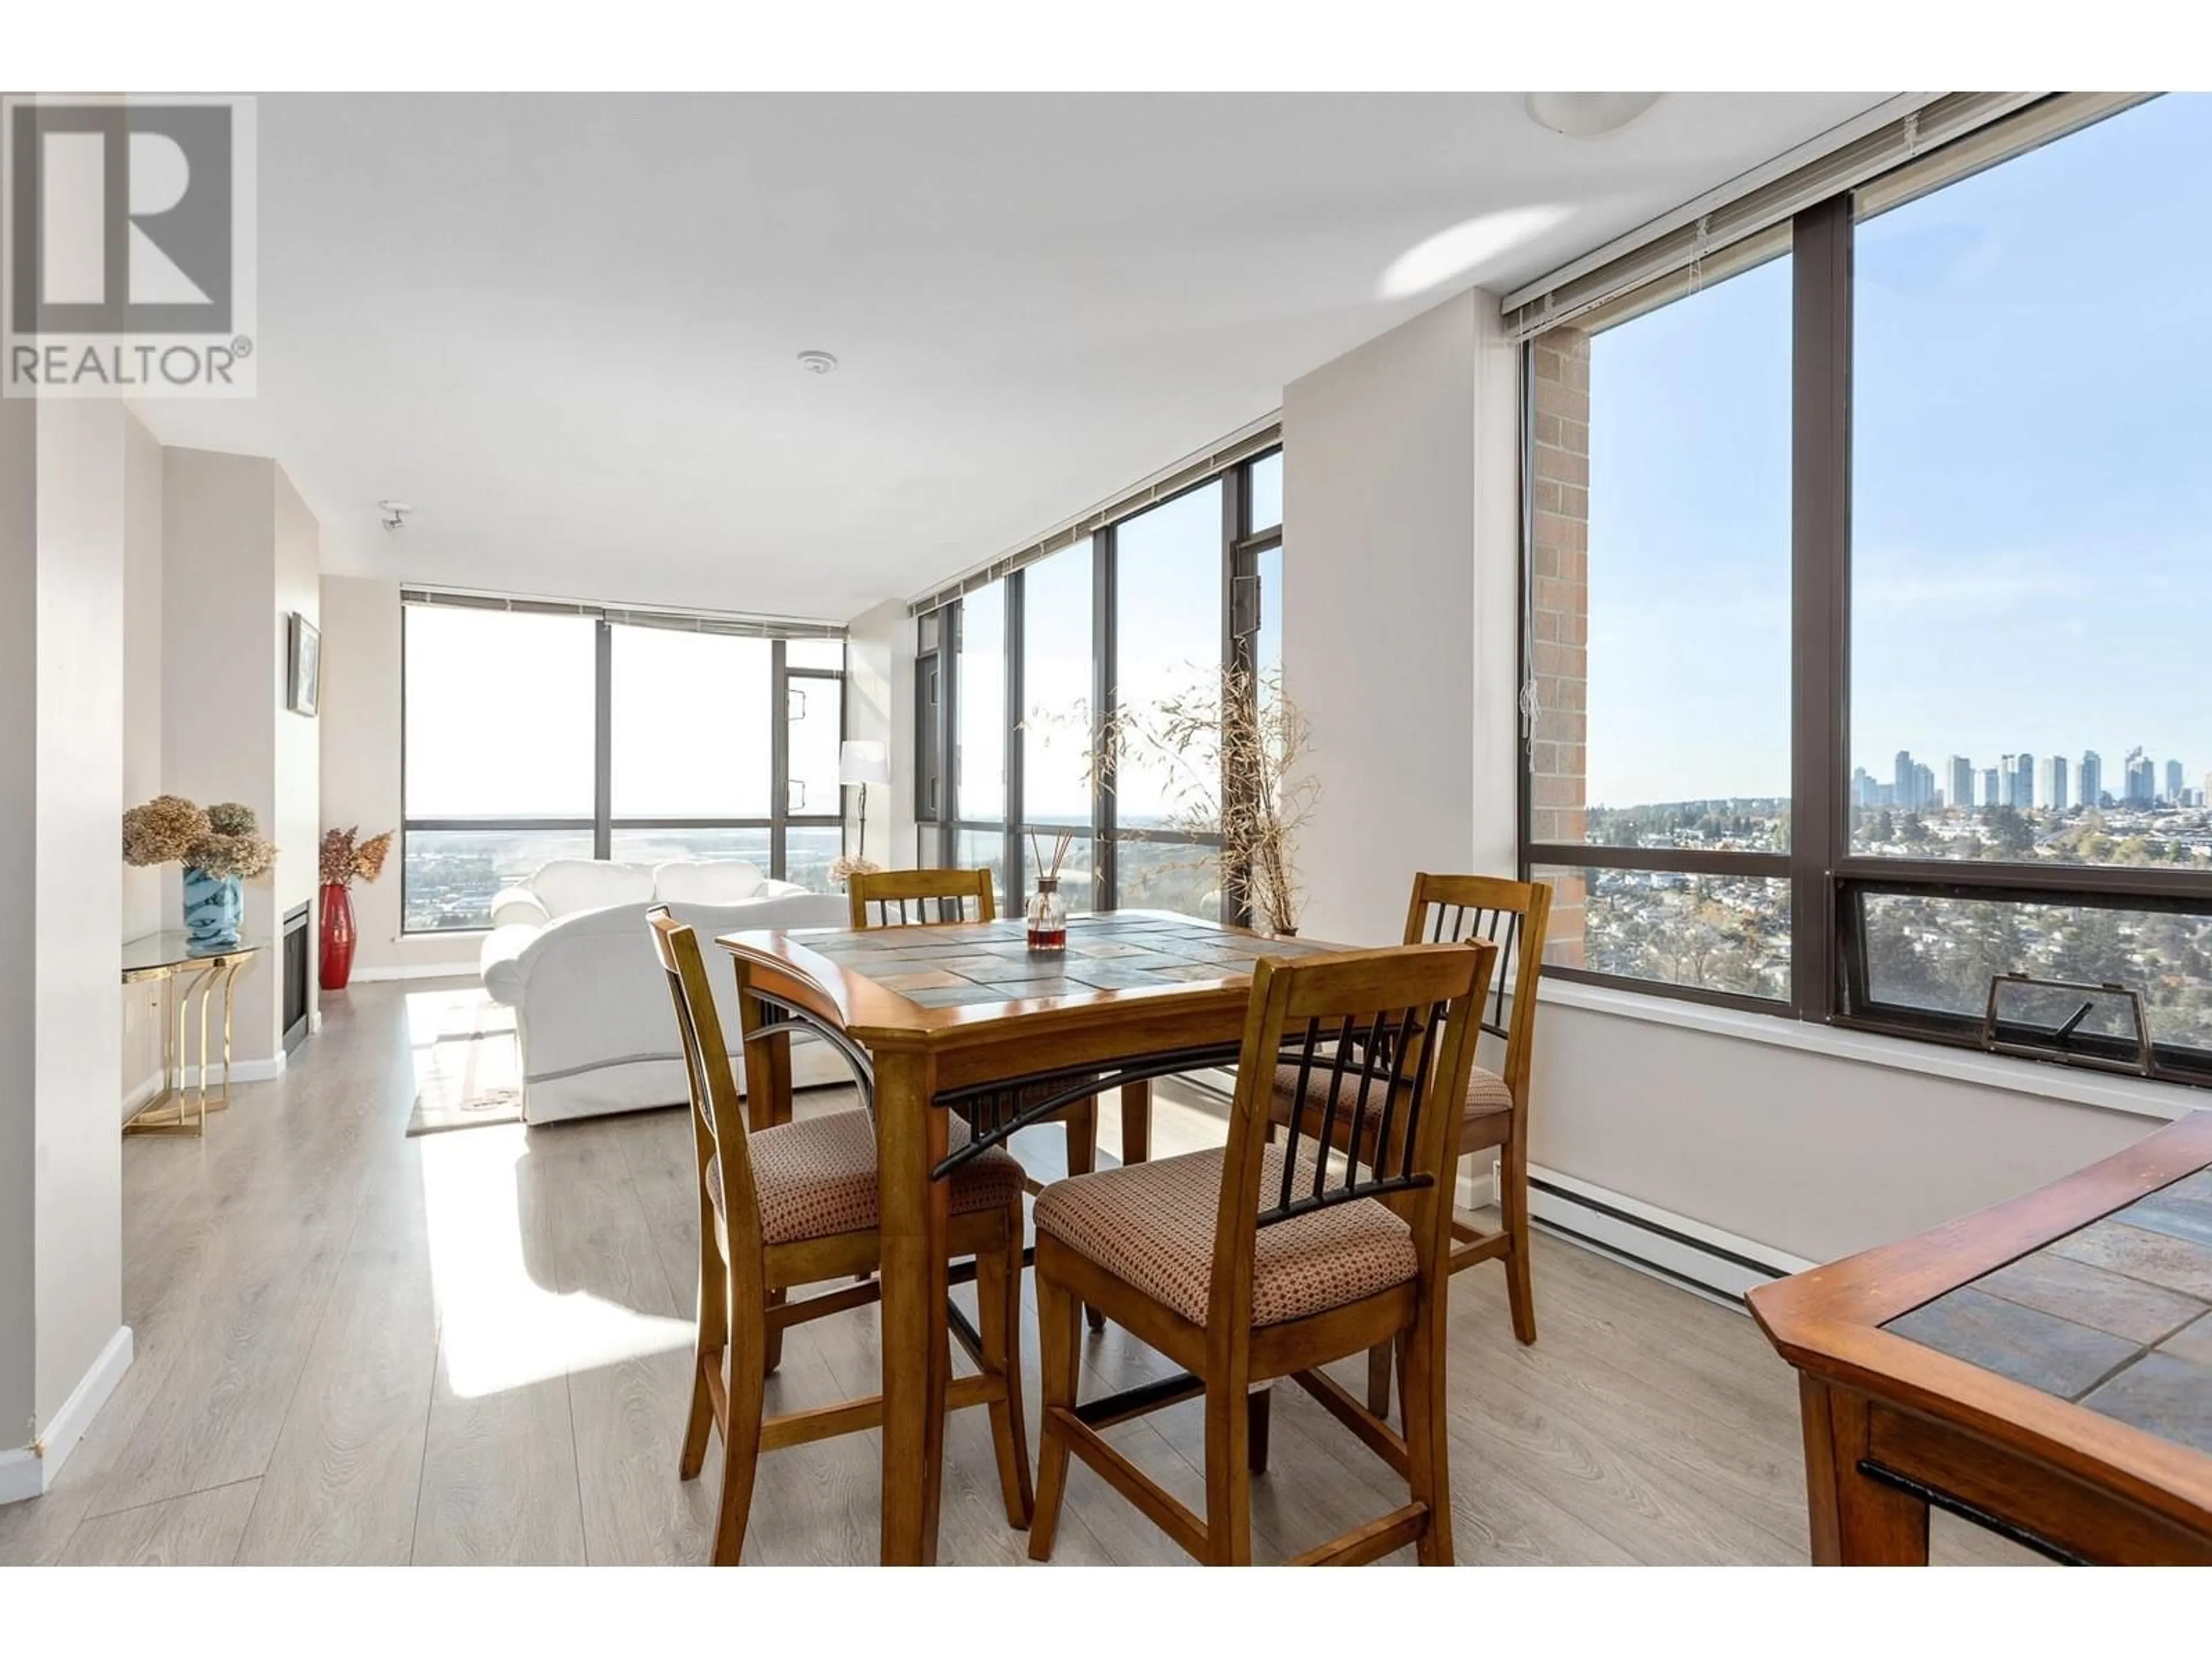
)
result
[(953, 892), (1512, 915), (787, 1205), (1258, 1262)]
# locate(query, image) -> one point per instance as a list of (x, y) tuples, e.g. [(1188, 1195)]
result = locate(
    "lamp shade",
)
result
[(860, 761)]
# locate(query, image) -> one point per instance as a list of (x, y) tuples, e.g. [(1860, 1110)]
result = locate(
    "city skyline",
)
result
[(2029, 780), (2020, 513)]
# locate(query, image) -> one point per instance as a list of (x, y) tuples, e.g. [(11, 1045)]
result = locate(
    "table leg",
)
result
[(1858, 1521), (914, 1211)]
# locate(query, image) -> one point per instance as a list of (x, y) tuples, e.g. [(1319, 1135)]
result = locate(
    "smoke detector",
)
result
[(817, 362), (394, 514)]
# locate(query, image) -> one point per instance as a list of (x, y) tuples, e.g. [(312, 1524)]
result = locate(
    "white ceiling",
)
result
[(565, 327)]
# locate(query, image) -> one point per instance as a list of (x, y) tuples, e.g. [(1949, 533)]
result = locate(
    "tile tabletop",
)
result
[(2116, 1315), (945, 967)]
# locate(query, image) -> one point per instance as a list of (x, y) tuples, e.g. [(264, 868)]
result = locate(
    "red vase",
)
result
[(338, 936)]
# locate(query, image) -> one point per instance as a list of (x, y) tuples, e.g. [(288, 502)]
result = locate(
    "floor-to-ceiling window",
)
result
[(1079, 695), (536, 733), (1862, 572)]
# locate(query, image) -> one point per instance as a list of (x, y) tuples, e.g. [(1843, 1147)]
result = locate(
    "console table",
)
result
[(2043, 1368), (181, 1108)]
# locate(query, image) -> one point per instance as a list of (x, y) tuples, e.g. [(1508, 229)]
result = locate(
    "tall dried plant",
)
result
[(1236, 754), (346, 859)]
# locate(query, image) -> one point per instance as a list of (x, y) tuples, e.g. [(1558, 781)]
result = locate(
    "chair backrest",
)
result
[(1403, 1022), (906, 898), (718, 1119), (1510, 914)]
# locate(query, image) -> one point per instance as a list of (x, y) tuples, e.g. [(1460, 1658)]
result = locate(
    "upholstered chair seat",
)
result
[(1488, 1122), (816, 1177), (1151, 1224)]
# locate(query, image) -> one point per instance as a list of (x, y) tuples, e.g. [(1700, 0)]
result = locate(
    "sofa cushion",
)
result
[(565, 886), (706, 881)]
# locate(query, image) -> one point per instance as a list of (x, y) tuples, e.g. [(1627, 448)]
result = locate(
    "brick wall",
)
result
[(1560, 613)]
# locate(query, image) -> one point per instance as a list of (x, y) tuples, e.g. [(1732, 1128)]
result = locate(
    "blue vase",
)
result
[(214, 907)]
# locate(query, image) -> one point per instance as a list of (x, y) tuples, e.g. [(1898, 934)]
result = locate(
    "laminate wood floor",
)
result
[(475, 1347)]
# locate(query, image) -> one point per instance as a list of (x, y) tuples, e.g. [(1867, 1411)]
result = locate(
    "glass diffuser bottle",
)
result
[(1048, 916)]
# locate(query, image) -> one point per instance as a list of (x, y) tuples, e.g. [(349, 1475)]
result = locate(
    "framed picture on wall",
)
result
[(306, 684)]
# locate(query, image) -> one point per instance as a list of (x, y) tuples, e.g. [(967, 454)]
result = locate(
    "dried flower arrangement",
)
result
[(162, 830), (1231, 754), (347, 858), (850, 866), (222, 840)]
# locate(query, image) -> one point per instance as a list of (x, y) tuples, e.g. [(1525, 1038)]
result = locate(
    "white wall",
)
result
[(18, 805), (1399, 600), (361, 742), (78, 875), (296, 821), (879, 708), (150, 896), (239, 553), (1813, 1154)]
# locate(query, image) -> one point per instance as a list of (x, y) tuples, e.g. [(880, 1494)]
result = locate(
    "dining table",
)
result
[(967, 1021), (2042, 1368)]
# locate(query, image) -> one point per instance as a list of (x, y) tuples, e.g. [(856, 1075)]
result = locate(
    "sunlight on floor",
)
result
[(504, 1321)]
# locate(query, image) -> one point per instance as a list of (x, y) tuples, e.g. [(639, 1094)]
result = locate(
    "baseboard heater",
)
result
[(1719, 1266)]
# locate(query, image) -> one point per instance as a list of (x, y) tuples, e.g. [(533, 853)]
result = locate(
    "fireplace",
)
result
[(296, 968)]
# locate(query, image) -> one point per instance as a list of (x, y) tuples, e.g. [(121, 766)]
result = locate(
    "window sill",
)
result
[(2133, 1095)]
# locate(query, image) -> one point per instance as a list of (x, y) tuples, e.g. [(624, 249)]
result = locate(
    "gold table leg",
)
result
[(166, 1114)]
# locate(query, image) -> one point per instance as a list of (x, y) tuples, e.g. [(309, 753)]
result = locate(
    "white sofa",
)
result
[(570, 952)]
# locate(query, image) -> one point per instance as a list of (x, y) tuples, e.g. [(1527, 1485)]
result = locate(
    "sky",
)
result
[(2032, 505)]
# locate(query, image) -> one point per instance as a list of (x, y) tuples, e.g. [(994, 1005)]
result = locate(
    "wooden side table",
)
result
[(2043, 1368), (179, 1109)]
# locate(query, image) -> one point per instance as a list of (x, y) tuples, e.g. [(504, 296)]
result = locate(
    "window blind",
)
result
[(685, 622), (1238, 446), (1745, 222)]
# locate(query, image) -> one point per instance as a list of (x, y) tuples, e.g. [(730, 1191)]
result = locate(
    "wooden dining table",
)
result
[(966, 1020), (2042, 1368)]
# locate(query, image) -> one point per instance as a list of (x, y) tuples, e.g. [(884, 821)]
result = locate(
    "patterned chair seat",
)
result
[(1152, 1225), (1488, 1121), (816, 1177)]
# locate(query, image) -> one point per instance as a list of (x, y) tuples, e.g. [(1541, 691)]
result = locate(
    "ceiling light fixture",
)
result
[(1588, 114), (395, 514), (817, 362)]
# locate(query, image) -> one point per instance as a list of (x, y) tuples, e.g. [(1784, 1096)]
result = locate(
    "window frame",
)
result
[(1828, 881), (1240, 547), (602, 824)]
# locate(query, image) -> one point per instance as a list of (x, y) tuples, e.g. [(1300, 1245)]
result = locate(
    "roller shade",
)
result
[(683, 621), (1744, 223), (1210, 463)]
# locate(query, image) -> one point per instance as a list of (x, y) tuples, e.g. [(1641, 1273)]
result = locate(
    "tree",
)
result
[(1885, 826)]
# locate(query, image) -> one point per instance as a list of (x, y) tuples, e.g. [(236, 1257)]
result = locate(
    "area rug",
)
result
[(468, 1072)]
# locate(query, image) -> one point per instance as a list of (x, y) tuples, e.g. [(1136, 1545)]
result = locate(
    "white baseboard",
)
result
[(31, 1470), (244, 1071), (1675, 1248), (415, 970), (142, 1091)]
